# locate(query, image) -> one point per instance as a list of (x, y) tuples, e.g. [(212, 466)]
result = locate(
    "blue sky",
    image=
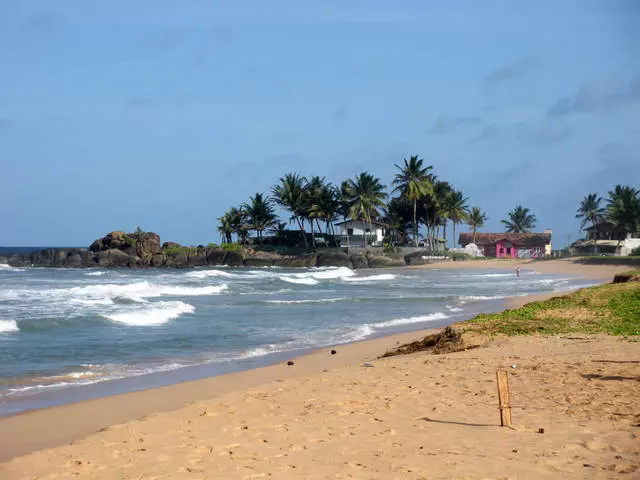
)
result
[(163, 114)]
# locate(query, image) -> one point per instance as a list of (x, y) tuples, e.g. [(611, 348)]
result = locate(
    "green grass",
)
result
[(611, 308), (600, 260)]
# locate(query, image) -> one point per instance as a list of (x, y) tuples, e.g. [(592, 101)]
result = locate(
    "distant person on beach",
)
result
[(518, 272)]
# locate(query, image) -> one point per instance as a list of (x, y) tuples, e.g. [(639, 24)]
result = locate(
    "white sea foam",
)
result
[(454, 309), (299, 281), (202, 274), (368, 329), (371, 278), (496, 275), (96, 274), (153, 314), (138, 290), (295, 302), (8, 268), (8, 326), (409, 320), (481, 297)]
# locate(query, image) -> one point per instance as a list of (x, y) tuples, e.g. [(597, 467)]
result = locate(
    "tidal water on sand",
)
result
[(64, 328)]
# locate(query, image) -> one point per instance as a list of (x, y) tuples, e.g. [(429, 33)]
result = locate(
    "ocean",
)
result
[(64, 330)]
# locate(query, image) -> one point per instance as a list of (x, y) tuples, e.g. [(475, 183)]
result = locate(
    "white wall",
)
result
[(628, 245)]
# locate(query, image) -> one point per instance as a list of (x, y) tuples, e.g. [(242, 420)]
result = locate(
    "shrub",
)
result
[(212, 245), (173, 250), (635, 252), (232, 247)]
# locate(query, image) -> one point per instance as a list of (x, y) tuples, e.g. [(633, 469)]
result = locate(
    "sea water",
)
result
[(61, 329)]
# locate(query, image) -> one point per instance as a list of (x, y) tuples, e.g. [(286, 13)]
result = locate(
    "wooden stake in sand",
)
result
[(503, 398)]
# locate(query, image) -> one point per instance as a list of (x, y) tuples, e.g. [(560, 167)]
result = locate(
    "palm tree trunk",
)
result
[(346, 229), (415, 221), (454, 233), (371, 228), (444, 232), (595, 242), (304, 234), (475, 233), (313, 238)]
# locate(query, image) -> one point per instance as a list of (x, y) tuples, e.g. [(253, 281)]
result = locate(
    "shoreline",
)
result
[(45, 428)]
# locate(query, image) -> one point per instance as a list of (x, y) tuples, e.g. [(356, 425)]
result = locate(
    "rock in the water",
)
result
[(215, 256), (334, 259), (359, 261), (380, 261)]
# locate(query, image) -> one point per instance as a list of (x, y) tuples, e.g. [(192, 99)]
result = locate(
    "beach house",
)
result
[(510, 245), (605, 238), (358, 229)]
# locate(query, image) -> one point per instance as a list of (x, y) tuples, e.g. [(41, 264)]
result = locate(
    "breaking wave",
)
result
[(295, 302), (153, 314), (8, 326), (300, 281), (371, 278)]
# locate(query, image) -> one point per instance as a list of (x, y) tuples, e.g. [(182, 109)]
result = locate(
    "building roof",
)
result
[(602, 225), (524, 239), (363, 221)]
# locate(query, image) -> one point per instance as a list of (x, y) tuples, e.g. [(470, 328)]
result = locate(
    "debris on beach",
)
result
[(333, 352), (290, 362), (448, 341), (367, 365)]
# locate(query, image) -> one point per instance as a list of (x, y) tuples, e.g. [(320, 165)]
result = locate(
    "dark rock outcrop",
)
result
[(337, 259), (143, 249), (381, 261), (359, 261)]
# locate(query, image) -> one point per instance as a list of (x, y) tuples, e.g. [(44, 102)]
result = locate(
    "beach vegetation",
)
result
[(366, 195), (422, 205), (613, 308), (455, 208), (520, 220), (623, 207), (231, 247), (259, 214), (476, 220), (414, 182)]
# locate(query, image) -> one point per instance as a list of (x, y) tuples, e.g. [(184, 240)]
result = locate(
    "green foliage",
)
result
[(173, 250), (635, 252), (520, 220), (599, 260), (212, 245), (232, 247), (611, 308)]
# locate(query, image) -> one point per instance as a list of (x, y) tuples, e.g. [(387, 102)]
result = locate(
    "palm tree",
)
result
[(455, 204), (290, 194), (313, 190), (438, 208), (623, 205), (344, 205), (476, 220), (226, 227), (413, 182), (238, 223), (520, 220), (591, 211), (260, 213), (367, 196)]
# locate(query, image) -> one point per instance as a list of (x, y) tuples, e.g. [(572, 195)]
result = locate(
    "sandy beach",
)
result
[(329, 416)]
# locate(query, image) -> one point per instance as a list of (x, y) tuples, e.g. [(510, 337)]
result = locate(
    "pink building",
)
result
[(510, 245)]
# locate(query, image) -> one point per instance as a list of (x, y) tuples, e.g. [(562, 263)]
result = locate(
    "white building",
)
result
[(358, 230)]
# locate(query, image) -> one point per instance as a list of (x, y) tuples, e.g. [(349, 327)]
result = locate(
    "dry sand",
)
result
[(329, 417)]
